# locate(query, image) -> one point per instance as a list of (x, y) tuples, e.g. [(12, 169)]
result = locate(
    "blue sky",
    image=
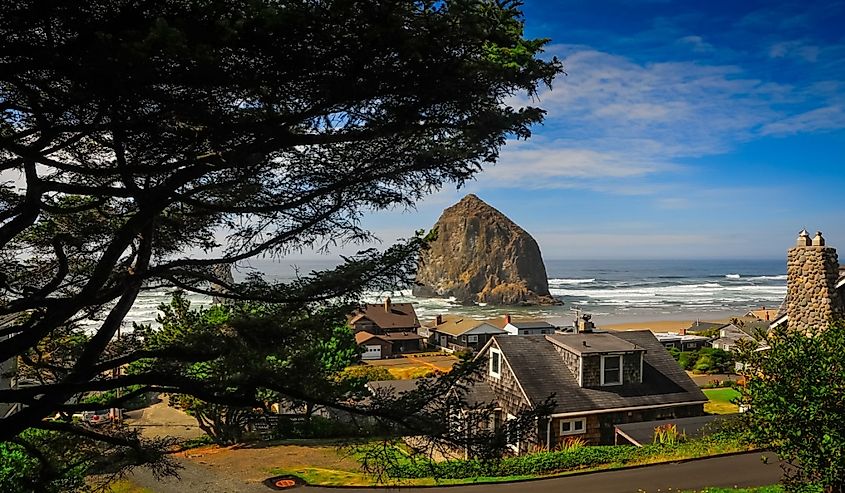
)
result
[(682, 130)]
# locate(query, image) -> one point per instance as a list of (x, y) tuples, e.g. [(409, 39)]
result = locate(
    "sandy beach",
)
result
[(657, 325)]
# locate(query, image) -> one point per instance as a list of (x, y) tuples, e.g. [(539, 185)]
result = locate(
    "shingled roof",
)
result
[(456, 325), (388, 315), (540, 372)]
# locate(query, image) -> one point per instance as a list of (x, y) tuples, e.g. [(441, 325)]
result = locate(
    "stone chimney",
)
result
[(812, 270), (387, 304)]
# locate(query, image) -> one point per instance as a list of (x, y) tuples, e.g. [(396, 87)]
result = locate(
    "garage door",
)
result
[(372, 352)]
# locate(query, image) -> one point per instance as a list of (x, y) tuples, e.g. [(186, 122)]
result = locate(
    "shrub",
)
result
[(687, 359), (368, 372)]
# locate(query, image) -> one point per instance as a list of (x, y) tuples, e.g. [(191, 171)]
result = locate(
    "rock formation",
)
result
[(481, 256)]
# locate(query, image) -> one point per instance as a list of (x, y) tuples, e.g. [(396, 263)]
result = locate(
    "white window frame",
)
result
[(495, 374), (572, 430), (472, 338), (605, 357)]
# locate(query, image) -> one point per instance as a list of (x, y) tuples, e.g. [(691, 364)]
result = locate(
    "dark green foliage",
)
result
[(705, 360), (796, 394), (312, 357), (321, 427), (155, 140)]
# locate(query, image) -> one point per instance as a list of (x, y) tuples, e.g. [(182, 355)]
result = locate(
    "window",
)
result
[(495, 363), (575, 426), (472, 338), (611, 370)]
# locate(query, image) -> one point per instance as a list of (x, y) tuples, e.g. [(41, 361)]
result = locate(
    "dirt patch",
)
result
[(442, 363), (255, 463)]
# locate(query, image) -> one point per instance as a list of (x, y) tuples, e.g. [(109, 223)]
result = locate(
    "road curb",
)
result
[(539, 478)]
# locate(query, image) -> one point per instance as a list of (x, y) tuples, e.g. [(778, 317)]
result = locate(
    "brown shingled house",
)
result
[(599, 380), (386, 329)]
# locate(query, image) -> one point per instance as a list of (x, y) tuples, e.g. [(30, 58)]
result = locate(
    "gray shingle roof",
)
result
[(585, 343), (541, 373)]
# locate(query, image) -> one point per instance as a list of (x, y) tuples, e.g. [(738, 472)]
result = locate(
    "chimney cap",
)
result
[(819, 239), (803, 238)]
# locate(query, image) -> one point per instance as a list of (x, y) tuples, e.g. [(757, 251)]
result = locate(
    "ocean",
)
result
[(613, 291)]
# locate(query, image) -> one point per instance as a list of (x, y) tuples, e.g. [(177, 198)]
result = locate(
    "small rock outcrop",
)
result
[(481, 256)]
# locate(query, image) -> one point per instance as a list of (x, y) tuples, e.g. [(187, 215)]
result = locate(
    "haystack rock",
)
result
[(481, 256)]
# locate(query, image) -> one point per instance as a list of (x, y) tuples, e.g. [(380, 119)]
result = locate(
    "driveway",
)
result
[(743, 470)]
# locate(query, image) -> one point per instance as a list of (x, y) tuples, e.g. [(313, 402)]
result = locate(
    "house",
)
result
[(381, 318), (729, 336), (379, 346), (459, 333), (386, 329), (698, 327), (524, 327), (598, 380), (681, 341)]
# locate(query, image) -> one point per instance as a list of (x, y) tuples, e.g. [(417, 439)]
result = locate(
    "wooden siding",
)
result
[(592, 369), (510, 397), (570, 359)]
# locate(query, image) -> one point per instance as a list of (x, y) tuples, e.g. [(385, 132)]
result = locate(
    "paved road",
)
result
[(738, 470)]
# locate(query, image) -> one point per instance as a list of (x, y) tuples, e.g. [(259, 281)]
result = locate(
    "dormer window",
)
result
[(611, 370), (495, 363)]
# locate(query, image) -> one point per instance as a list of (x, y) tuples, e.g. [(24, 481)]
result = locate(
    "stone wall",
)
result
[(812, 270)]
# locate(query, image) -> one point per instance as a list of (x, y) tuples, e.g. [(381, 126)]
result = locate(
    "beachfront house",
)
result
[(459, 333), (682, 341), (524, 327), (384, 330), (698, 327), (598, 379)]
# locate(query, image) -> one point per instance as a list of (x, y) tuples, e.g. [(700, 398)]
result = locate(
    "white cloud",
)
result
[(819, 119), (698, 44), (806, 52), (629, 123)]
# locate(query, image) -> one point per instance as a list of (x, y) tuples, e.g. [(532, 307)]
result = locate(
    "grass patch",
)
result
[(720, 401), (127, 486), (421, 472)]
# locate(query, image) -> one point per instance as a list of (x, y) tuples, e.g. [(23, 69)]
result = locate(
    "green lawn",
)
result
[(720, 401), (546, 466)]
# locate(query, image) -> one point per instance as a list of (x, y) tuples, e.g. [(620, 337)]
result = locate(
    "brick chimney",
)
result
[(507, 318), (387, 304), (438, 320), (812, 270)]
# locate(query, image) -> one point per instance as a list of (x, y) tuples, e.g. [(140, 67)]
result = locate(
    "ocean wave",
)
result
[(556, 281), (781, 277), (732, 276)]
